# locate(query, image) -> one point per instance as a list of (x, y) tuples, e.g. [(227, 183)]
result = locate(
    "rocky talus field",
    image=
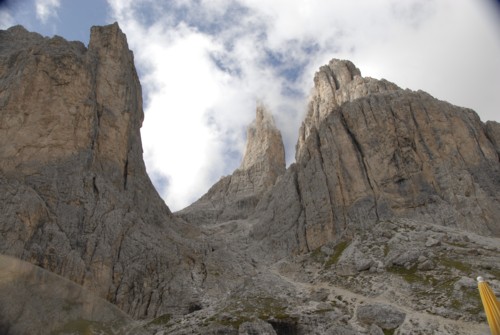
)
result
[(389, 213)]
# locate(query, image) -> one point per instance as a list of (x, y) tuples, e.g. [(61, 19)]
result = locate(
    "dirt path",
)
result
[(437, 324)]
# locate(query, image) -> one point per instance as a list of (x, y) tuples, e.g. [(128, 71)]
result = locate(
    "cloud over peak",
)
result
[(46, 9)]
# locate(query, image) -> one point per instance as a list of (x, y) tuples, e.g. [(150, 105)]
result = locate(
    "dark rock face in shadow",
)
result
[(34, 301)]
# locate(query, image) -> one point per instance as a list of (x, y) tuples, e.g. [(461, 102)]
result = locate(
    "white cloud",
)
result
[(6, 20), (46, 9), (204, 63)]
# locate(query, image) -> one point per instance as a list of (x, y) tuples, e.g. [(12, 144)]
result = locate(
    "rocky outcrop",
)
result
[(384, 316), (36, 301), (235, 196), (335, 84), (256, 327), (74, 194), (391, 153)]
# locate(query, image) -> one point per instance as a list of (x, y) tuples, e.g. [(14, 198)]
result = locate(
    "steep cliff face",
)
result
[(235, 196), (74, 194), (335, 84), (380, 153), (492, 129)]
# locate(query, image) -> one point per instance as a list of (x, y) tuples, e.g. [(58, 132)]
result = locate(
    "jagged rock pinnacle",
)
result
[(264, 146), (237, 195), (335, 84)]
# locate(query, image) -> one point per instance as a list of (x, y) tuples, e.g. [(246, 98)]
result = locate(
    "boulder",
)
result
[(384, 316), (257, 327)]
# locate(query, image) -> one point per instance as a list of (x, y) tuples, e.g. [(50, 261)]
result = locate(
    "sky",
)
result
[(204, 64)]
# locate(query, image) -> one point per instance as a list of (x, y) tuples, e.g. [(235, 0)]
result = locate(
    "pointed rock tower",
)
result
[(336, 83), (264, 158), (235, 196)]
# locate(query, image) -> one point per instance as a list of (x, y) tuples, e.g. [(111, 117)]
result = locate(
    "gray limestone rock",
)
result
[(493, 132), (257, 327), (376, 330), (384, 316), (427, 265)]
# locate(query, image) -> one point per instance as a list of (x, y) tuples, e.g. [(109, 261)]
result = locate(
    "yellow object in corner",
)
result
[(491, 306)]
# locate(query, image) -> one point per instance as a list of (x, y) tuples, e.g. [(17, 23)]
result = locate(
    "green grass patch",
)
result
[(337, 252), (162, 320), (472, 296), (458, 244), (241, 311), (234, 322), (413, 276), (85, 327), (386, 250), (409, 275), (460, 266), (317, 255)]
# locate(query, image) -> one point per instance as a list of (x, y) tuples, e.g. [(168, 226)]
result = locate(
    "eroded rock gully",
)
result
[(381, 224)]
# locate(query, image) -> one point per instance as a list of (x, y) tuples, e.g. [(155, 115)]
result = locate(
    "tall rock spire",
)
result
[(235, 196), (264, 156), (336, 83)]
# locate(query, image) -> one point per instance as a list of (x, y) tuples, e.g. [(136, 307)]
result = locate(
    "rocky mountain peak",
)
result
[(264, 143), (108, 37), (235, 196), (335, 84), (492, 129), (88, 101), (369, 151)]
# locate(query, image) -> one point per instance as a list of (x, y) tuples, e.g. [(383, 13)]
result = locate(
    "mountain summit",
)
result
[(235, 196)]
